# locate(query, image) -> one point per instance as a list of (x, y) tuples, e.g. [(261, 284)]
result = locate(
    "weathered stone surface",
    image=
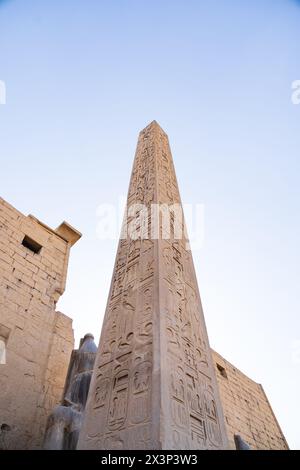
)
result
[(247, 410), (38, 339), (154, 385)]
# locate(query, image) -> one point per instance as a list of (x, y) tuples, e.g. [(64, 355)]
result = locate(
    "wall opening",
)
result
[(4, 335), (222, 371), (31, 244), (5, 427)]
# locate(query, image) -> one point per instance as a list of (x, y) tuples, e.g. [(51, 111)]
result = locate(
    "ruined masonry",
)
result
[(154, 384), (38, 339)]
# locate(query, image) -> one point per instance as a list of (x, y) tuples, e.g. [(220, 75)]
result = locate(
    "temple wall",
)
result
[(38, 339), (246, 408)]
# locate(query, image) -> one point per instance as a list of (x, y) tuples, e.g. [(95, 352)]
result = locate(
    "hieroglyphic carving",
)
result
[(141, 382), (195, 415), (178, 402), (154, 362), (102, 390), (144, 321), (119, 400)]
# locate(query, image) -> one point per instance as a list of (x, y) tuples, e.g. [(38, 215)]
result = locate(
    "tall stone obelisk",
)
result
[(153, 385)]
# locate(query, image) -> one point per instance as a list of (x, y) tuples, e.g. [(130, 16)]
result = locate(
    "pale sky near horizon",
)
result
[(83, 78)]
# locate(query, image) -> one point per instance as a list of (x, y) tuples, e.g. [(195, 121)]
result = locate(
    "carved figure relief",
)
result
[(140, 389), (119, 400), (102, 390)]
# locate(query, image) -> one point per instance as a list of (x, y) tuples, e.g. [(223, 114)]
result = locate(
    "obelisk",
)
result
[(153, 385)]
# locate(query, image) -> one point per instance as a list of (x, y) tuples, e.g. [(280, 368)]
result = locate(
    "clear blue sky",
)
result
[(83, 77)]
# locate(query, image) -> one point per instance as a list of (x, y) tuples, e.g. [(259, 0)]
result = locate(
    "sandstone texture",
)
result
[(247, 410), (38, 339), (154, 383)]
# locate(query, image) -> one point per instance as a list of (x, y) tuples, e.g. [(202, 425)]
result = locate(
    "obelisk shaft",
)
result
[(153, 385)]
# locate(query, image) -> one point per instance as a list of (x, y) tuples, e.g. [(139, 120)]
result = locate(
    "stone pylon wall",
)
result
[(154, 386), (38, 339), (247, 410)]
